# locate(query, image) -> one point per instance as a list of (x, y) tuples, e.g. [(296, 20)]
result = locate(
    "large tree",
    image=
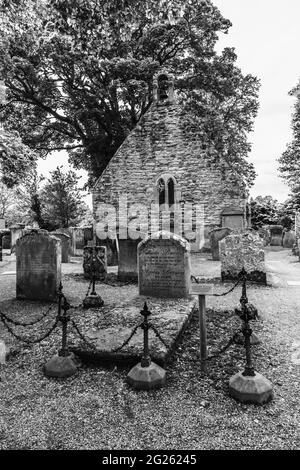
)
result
[(79, 77), (289, 162)]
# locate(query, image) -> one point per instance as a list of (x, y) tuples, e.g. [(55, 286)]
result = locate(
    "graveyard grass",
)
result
[(96, 409)]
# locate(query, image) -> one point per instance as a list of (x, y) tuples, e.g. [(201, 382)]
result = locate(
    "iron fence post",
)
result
[(146, 359), (247, 331)]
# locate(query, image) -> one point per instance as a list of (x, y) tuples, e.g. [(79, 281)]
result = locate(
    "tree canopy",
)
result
[(268, 211), (51, 203), (78, 76), (289, 162)]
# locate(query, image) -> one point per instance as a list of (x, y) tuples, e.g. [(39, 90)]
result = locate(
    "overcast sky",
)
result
[(266, 36)]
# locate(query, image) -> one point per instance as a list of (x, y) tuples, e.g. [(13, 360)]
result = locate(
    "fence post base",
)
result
[(61, 366), (254, 339), (146, 378), (251, 389), (92, 301)]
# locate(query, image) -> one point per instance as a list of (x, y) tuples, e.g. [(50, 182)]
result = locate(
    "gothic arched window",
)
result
[(163, 87), (161, 191), (166, 188), (171, 192)]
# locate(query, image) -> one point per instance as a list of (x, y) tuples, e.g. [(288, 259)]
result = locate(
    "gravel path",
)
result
[(97, 410)]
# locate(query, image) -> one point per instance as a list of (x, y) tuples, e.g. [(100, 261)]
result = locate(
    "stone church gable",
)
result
[(159, 149)]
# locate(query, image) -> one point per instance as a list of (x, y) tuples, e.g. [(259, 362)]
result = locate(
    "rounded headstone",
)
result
[(38, 266), (164, 266)]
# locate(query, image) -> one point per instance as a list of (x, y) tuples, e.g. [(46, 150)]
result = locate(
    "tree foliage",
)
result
[(268, 211), (289, 162), (263, 211), (79, 76), (52, 203), (61, 200)]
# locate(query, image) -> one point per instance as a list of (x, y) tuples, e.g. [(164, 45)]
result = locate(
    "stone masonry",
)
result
[(160, 147)]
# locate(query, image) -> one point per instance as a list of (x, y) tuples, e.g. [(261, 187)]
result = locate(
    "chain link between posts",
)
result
[(26, 340), (197, 281), (127, 341)]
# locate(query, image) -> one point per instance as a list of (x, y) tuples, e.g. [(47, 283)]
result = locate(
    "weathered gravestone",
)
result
[(216, 236), (127, 264), (6, 242), (3, 233), (164, 267), (77, 240), (95, 262), (16, 232), (265, 235), (243, 250), (38, 266), (297, 225), (65, 245), (276, 233), (111, 250), (233, 217), (289, 239)]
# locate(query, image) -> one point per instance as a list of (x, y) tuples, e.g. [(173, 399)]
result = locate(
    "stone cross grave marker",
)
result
[(38, 266), (164, 267)]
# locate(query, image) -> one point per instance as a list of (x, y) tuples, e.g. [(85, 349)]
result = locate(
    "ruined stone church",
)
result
[(159, 163)]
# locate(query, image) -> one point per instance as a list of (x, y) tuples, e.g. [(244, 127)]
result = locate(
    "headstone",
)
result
[(16, 232), (111, 250), (289, 239), (80, 236), (6, 242), (127, 266), (88, 235), (265, 235), (233, 217), (297, 225), (38, 266), (95, 261), (164, 266), (215, 237), (3, 233), (65, 245), (295, 250), (243, 250), (276, 233)]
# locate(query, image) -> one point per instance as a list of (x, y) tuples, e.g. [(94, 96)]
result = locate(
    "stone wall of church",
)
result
[(160, 145)]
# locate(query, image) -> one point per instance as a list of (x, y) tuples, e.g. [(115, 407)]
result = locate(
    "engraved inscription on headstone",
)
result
[(38, 266), (164, 266)]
